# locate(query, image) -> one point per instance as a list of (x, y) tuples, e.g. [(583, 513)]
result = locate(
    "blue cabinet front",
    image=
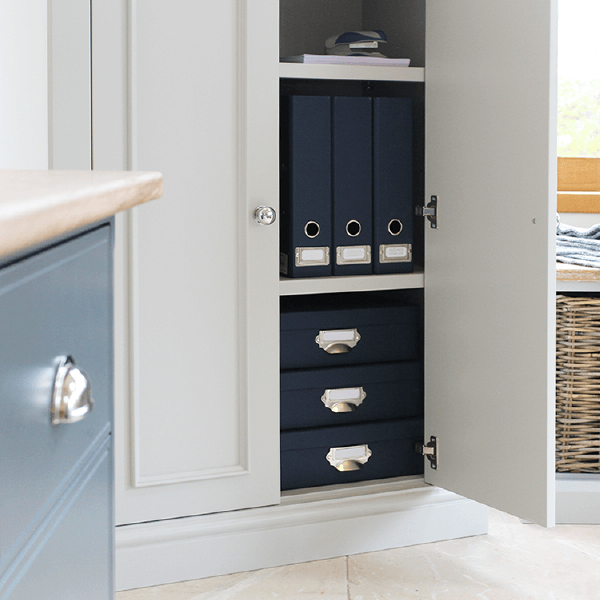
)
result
[(54, 302)]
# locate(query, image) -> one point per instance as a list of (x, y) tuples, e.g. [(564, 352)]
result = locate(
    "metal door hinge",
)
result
[(429, 211), (430, 450)]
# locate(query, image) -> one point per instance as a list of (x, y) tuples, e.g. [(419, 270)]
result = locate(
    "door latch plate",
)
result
[(430, 450), (429, 211)]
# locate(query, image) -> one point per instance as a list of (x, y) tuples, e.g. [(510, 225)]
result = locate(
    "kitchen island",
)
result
[(56, 379)]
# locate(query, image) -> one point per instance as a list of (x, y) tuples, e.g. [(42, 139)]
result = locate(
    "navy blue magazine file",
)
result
[(352, 185), (392, 185), (305, 202)]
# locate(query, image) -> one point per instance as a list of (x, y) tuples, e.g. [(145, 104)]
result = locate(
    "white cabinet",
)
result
[(199, 403)]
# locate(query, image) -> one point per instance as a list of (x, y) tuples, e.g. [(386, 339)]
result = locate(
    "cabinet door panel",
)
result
[(204, 274), (489, 280)]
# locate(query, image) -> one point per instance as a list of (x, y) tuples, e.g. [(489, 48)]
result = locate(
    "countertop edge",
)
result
[(71, 200)]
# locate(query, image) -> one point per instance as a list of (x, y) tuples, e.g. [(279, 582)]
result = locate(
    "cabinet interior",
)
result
[(304, 26)]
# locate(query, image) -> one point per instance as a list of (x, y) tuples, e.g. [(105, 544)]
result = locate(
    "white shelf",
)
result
[(577, 286), (364, 283), (356, 72)]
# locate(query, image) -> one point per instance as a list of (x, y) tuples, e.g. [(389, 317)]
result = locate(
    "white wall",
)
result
[(70, 90), (23, 84)]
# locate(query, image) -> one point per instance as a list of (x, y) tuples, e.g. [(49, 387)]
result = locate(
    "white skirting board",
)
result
[(577, 498), (311, 525)]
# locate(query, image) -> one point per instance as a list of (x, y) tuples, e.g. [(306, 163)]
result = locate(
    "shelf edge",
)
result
[(366, 283), (354, 72)]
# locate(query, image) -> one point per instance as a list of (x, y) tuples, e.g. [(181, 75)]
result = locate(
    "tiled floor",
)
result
[(515, 561)]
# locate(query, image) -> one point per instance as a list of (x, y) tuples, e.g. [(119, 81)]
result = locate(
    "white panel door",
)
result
[(204, 276), (490, 274)]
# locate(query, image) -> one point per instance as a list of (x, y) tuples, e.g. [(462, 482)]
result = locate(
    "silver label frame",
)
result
[(384, 259), (300, 261), (342, 260)]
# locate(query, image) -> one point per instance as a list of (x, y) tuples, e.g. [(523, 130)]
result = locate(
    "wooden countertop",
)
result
[(36, 206), (566, 272)]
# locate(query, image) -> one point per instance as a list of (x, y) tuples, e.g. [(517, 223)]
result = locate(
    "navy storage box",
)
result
[(328, 455), (346, 329), (351, 394)]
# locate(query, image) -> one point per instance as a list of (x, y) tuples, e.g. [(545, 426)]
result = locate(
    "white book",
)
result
[(331, 59)]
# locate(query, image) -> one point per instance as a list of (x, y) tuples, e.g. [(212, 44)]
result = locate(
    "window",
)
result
[(579, 78)]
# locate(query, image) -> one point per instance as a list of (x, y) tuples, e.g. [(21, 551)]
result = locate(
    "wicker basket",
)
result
[(578, 384)]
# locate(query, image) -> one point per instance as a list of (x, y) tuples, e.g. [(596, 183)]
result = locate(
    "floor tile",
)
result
[(515, 561), (323, 580)]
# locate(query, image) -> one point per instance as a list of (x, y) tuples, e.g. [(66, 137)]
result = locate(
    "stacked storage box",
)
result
[(351, 390)]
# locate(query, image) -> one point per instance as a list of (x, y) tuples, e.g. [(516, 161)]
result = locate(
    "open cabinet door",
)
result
[(490, 269)]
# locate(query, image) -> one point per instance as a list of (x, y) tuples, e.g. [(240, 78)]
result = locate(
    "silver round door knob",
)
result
[(265, 215)]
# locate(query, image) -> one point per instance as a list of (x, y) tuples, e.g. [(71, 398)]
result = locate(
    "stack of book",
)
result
[(351, 48)]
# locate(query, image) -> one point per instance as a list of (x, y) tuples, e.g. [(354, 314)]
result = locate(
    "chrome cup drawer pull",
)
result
[(343, 399), (349, 458), (72, 394), (337, 341)]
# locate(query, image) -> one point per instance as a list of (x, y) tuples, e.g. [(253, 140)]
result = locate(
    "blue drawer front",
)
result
[(57, 302), (393, 390), (304, 453), (71, 555), (388, 332)]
